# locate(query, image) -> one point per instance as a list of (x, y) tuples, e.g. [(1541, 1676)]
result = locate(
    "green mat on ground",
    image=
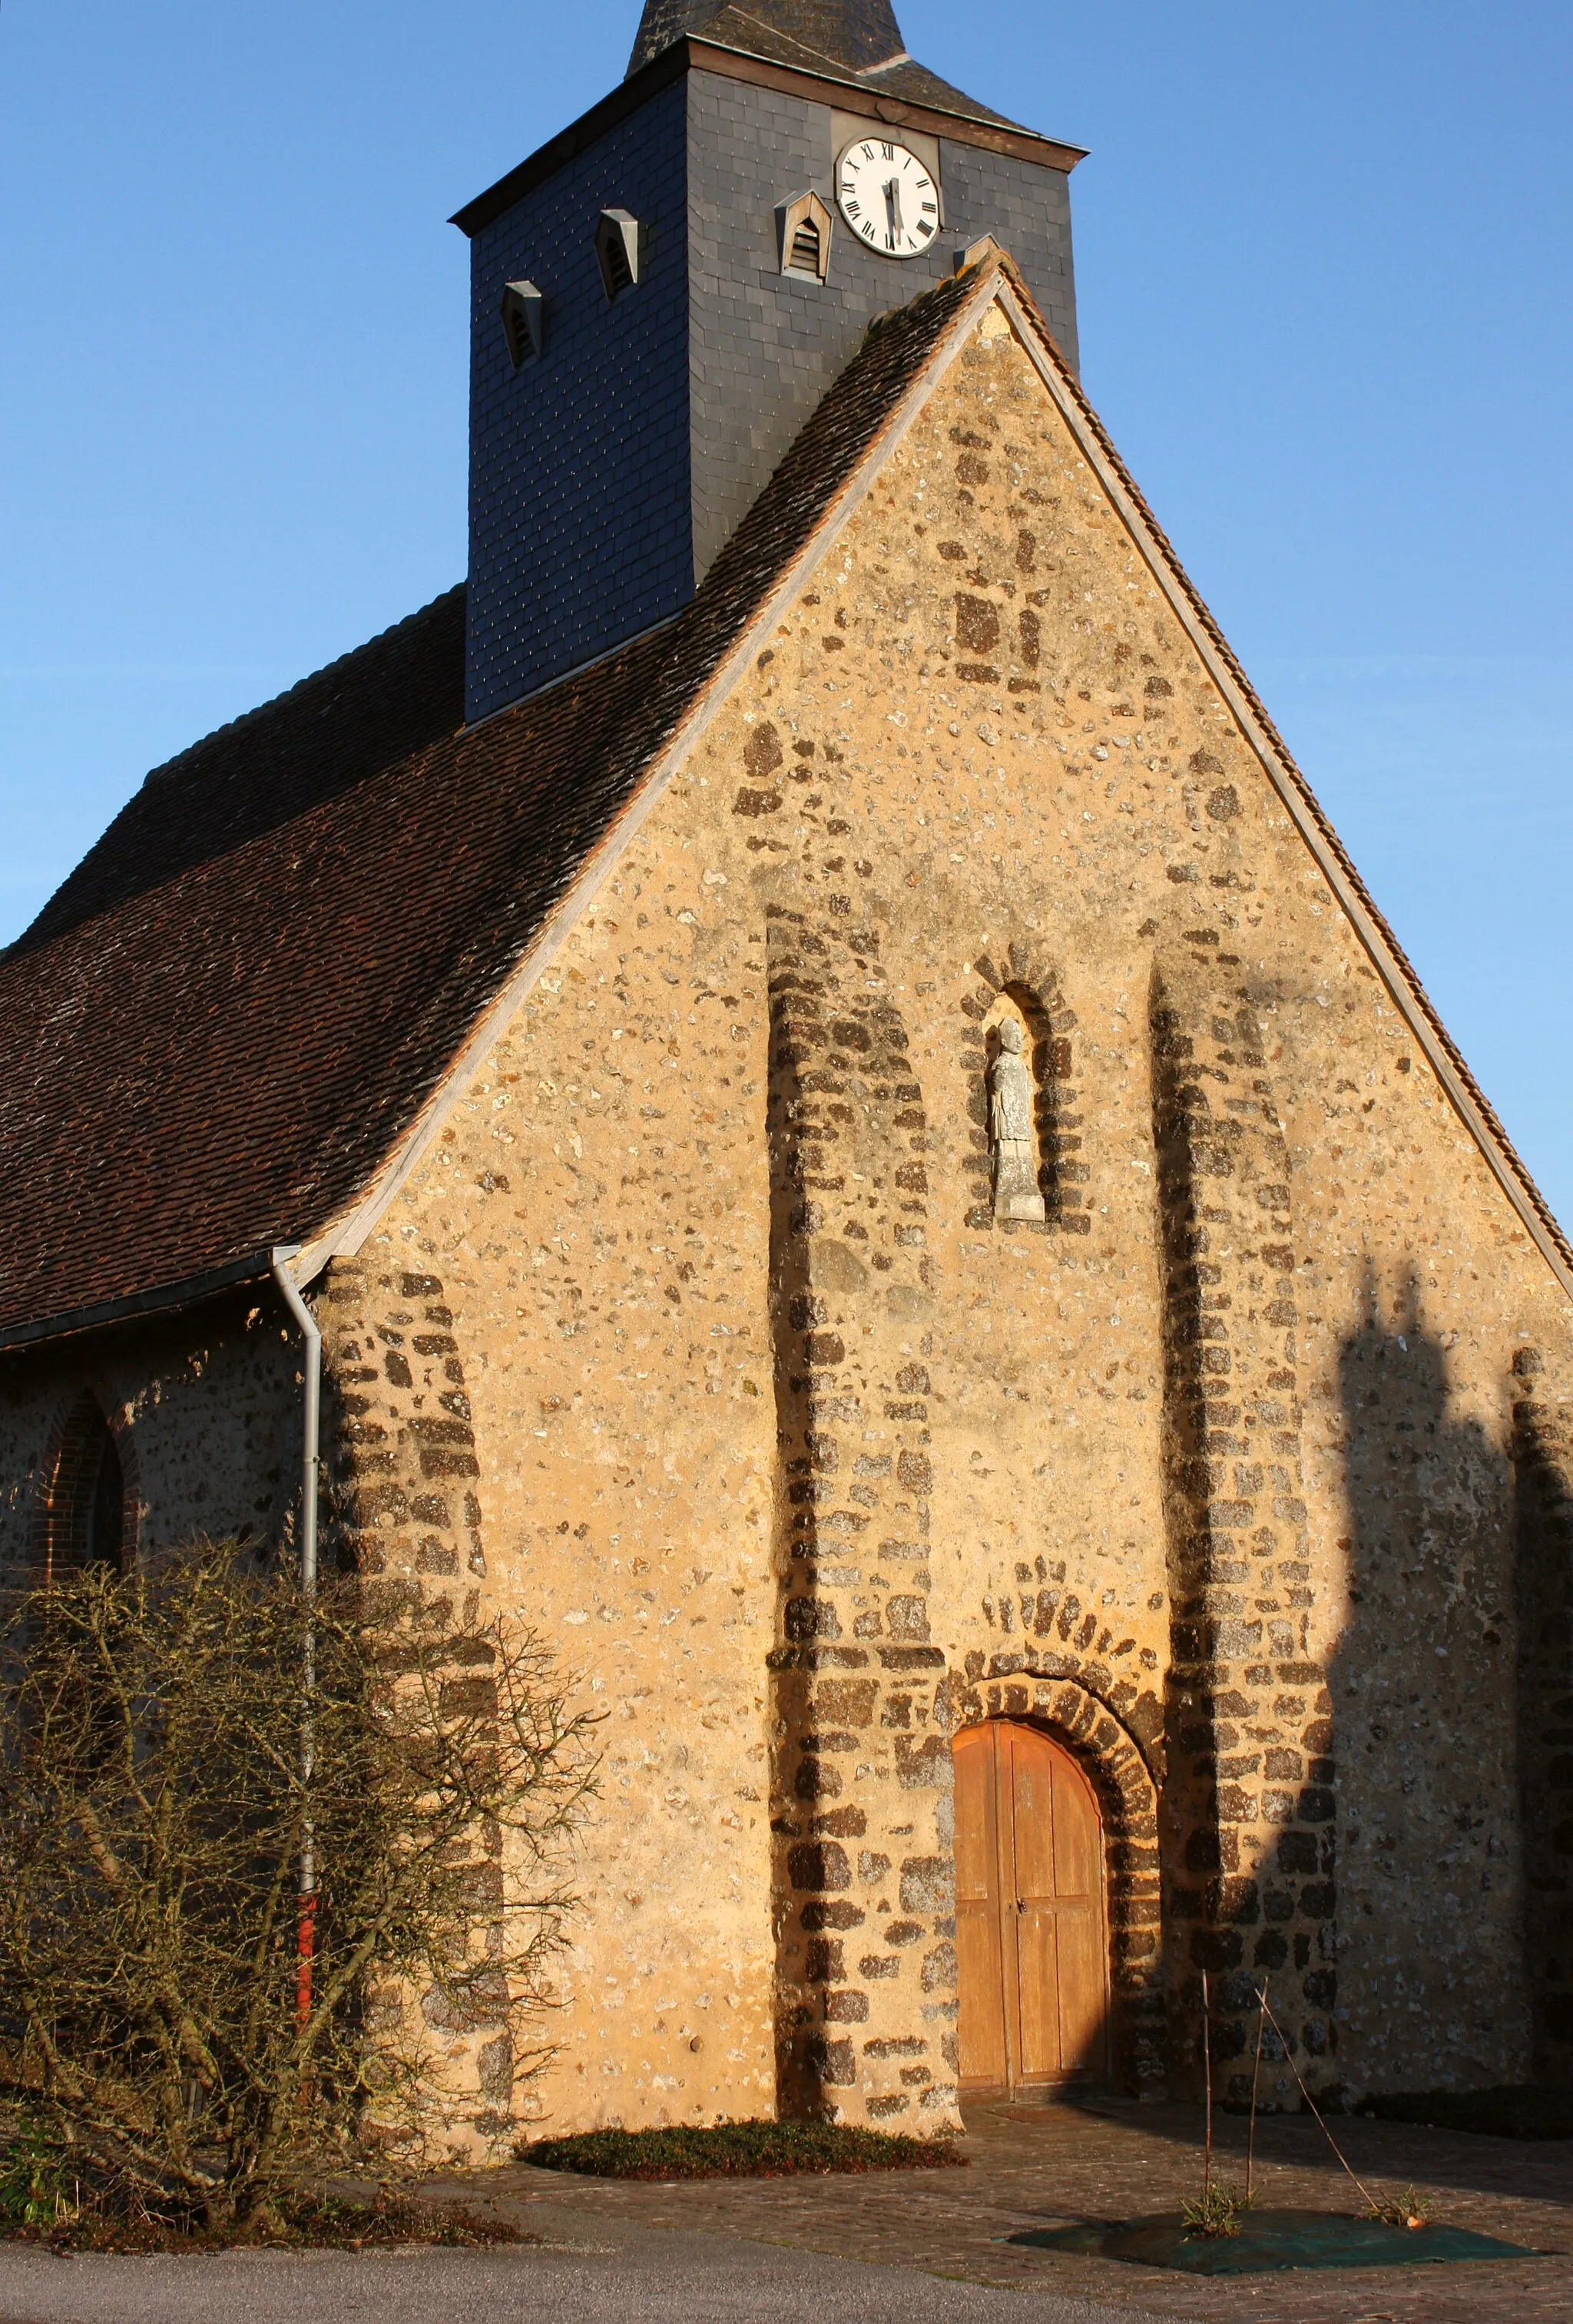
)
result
[(1268, 2240)]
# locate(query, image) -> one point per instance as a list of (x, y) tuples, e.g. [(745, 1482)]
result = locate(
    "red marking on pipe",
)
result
[(305, 1946)]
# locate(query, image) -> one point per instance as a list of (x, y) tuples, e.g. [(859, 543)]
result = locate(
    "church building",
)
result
[(862, 1159)]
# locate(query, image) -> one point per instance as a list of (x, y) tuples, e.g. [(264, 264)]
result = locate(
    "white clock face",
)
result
[(887, 197)]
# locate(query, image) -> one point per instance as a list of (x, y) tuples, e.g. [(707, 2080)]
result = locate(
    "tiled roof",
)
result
[(219, 1028), (389, 697), (847, 40), (849, 32)]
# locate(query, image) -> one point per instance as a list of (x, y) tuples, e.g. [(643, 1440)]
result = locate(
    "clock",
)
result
[(887, 197)]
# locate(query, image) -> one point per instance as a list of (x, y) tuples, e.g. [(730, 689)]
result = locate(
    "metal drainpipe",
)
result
[(306, 1921)]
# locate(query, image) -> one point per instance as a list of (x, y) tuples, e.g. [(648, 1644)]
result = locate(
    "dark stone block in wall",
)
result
[(823, 1963), (819, 1864), (833, 1915), (926, 1884)]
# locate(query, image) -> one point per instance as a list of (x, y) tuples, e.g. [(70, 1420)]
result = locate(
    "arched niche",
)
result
[(89, 1517)]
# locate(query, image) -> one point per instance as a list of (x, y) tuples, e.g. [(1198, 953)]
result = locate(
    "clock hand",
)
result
[(893, 203)]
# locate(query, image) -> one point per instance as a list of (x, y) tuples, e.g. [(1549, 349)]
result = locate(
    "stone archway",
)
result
[(1126, 1787), (1026, 986)]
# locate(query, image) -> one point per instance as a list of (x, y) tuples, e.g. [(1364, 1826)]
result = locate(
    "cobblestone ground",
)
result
[(1038, 2166)]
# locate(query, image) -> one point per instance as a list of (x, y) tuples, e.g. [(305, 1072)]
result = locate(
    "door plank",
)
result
[(979, 1964), (1031, 1812), (1078, 1894)]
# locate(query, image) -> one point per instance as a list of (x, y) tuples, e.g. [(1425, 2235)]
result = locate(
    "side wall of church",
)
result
[(806, 1457), (204, 1410)]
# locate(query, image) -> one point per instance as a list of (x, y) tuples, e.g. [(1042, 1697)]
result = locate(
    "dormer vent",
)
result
[(803, 227), (522, 322), (617, 251)]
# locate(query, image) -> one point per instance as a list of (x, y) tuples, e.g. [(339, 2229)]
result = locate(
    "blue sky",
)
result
[(1323, 259)]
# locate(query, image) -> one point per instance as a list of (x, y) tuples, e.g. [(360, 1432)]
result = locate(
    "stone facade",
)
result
[(695, 1336)]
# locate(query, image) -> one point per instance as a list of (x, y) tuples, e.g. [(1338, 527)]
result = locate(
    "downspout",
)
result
[(312, 1414)]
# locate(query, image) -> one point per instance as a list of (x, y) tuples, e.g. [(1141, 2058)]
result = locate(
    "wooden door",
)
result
[(1030, 1937)]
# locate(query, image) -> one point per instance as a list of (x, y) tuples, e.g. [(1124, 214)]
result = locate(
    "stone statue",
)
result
[(1011, 1129)]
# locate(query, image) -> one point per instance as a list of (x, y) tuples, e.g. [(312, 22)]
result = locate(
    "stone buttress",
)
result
[(403, 1512), (861, 1808), (1249, 1805)]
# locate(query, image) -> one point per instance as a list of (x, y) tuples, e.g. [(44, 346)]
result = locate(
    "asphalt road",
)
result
[(626, 2275)]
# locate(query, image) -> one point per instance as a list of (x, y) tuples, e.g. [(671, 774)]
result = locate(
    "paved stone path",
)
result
[(910, 2247), (1035, 2166), (618, 2273)]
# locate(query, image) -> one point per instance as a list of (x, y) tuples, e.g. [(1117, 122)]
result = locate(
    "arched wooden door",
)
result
[(1031, 1941)]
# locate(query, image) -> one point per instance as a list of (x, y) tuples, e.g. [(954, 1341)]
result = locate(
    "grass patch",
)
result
[(1512, 2110), (1218, 2212), (300, 2220), (736, 2150)]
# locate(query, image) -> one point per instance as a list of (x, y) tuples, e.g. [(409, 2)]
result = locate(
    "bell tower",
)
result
[(661, 295)]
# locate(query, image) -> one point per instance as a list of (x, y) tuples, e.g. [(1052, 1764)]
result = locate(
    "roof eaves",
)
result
[(942, 105), (693, 51), (163, 1299)]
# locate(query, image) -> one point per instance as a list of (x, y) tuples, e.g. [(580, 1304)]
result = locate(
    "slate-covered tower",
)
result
[(686, 293)]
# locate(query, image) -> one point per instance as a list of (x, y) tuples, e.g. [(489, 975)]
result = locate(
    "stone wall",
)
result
[(864, 1898), (204, 1410), (994, 766)]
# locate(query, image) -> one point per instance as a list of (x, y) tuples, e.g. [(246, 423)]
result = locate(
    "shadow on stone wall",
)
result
[(1543, 1539), (1248, 1826), (1424, 1691), (795, 1776), (861, 1773)]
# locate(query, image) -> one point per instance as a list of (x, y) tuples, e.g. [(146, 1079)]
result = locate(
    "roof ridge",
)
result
[(244, 718), (403, 685)]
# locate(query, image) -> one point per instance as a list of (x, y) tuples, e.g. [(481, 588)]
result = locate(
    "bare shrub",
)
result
[(156, 2017)]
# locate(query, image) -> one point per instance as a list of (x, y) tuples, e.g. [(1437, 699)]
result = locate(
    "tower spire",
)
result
[(855, 34)]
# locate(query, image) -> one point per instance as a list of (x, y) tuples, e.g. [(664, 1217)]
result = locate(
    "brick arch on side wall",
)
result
[(1072, 1706), (1030, 980), (50, 1547)]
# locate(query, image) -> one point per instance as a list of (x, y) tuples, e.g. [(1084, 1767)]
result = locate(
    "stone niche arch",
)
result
[(1024, 987), (1127, 1781), (89, 1499)]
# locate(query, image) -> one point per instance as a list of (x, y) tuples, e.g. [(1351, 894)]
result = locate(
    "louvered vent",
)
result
[(803, 226), (805, 250), (619, 274), (618, 250)]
